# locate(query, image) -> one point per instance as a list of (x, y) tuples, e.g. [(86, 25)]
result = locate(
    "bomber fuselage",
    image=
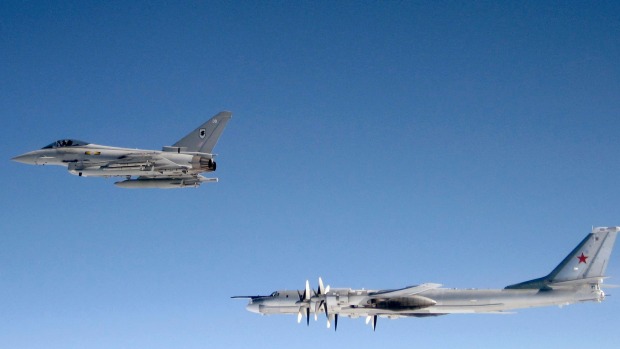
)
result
[(355, 303)]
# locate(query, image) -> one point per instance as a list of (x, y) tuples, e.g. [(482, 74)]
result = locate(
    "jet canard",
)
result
[(175, 166), (578, 278)]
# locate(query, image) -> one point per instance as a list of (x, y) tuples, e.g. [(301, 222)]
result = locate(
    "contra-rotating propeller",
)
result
[(320, 294), (304, 304), (319, 299)]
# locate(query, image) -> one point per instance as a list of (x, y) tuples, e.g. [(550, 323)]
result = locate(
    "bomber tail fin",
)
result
[(585, 264), (204, 138)]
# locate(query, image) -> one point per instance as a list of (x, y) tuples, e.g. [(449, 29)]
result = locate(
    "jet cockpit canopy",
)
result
[(65, 143)]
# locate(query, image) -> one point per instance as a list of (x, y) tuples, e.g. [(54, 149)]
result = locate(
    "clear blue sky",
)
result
[(375, 144)]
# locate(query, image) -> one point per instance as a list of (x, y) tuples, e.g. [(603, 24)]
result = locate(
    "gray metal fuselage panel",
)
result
[(354, 303), (105, 161)]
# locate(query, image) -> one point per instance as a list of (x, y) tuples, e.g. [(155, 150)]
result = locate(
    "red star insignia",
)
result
[(582, 258)]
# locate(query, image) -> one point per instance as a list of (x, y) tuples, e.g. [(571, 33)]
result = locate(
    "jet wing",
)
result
[(144, 159), (407, 291)]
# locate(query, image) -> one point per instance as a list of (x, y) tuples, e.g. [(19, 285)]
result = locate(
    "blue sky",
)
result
[(375, 144)]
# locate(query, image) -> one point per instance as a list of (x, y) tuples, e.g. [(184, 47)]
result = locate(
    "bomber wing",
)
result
[(403, 292)]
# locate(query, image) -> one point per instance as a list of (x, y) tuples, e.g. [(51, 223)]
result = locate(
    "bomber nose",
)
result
[(253, 307)]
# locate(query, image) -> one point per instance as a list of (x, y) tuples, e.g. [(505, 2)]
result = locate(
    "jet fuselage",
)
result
[(93, 160)]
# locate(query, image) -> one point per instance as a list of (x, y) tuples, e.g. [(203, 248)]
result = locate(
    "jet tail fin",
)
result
[(204, 138), (585, 264)]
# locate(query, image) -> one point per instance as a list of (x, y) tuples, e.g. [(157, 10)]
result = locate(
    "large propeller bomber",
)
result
[(318, 301), (578, 278)]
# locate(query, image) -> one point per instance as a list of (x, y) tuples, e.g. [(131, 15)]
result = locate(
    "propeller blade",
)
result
[(327, 289), (307, 291), (374, 321), (332, 318), (307, 316), (299, 316), (321, 288), (317, 308)]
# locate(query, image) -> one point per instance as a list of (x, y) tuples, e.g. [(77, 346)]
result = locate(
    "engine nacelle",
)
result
[(401, 303)]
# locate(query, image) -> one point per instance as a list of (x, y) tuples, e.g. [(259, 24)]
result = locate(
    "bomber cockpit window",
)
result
[(65, 143), (274, 294)]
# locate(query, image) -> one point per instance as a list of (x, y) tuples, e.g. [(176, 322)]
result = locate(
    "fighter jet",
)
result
[(577, 278), (176, 166)]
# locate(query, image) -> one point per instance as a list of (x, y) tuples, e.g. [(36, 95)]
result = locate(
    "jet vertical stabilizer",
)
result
[(205, 137)]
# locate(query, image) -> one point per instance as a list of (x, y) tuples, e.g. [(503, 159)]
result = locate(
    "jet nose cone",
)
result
[(253, 308), (25, 159)]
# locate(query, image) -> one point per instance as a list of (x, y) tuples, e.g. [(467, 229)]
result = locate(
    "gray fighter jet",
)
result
[(577, 278), (176, 166)]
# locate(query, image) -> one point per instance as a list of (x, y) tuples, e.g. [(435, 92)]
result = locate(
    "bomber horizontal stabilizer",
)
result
[(585, 281)]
